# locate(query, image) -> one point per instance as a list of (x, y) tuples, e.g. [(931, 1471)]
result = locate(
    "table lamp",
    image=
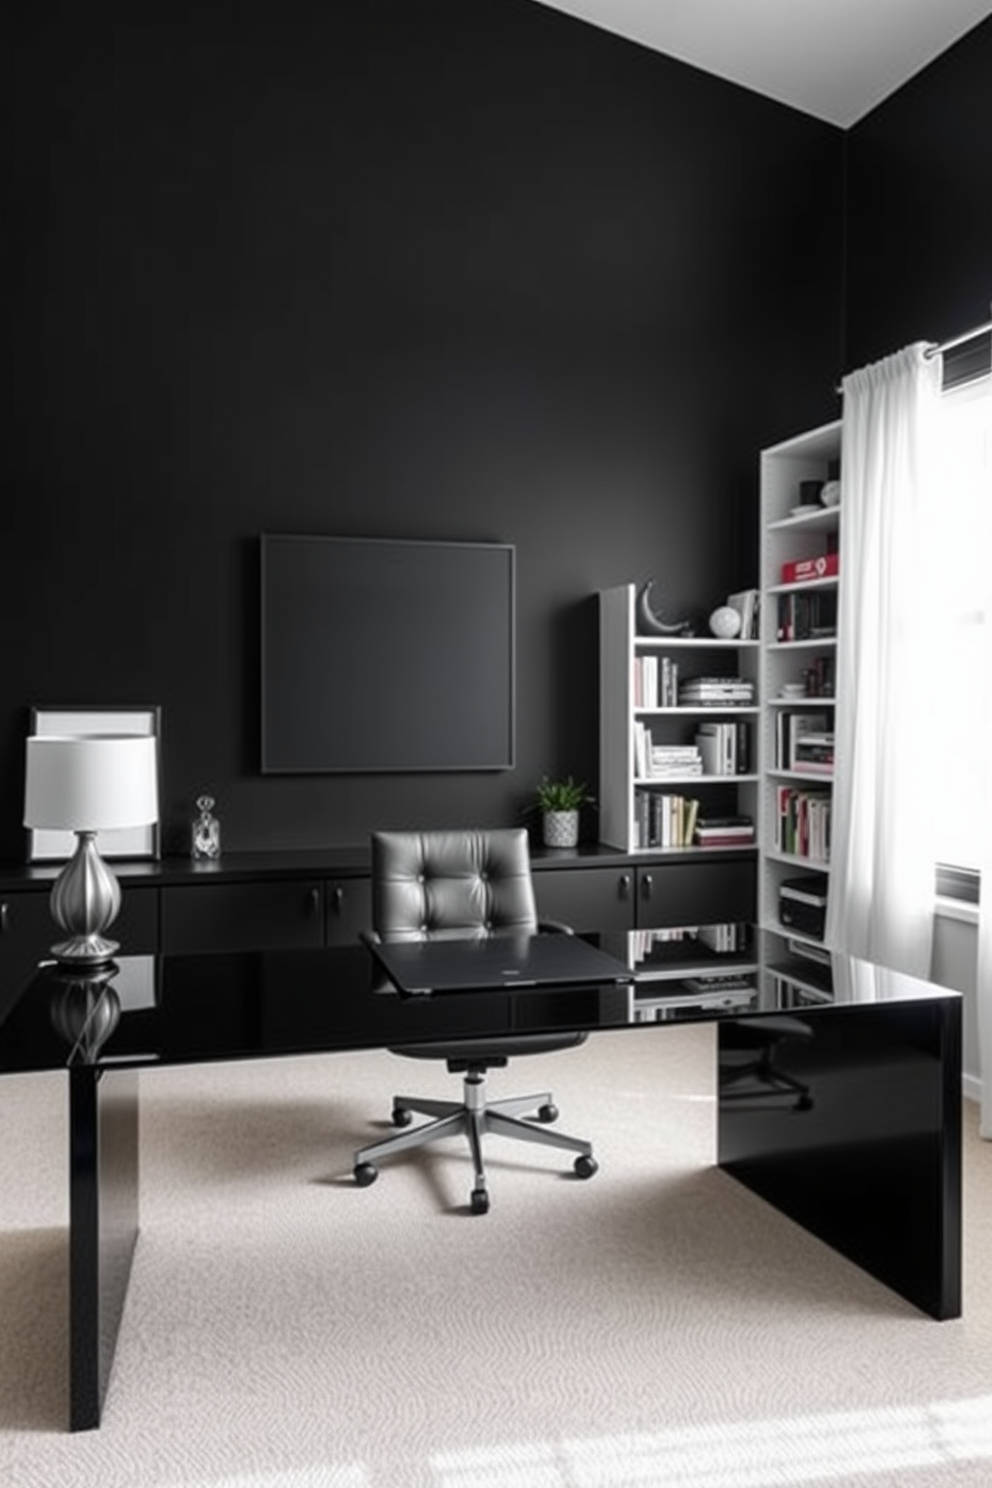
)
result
[(87, 784)]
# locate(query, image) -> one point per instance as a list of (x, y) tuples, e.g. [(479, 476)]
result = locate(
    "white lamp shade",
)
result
[(92, 782)]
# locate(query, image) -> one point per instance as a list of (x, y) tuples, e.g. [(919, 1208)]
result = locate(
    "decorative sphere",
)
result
[(725, 623)]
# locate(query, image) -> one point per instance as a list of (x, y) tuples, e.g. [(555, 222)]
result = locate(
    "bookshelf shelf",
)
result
[(809, 699), (820, 519), (691, 643), (710, 712), (642, 715), (802, 587), (794, 804), (805, 644), (659, 782)]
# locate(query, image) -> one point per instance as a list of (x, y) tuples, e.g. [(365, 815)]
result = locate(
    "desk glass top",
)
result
[(160, 1010)]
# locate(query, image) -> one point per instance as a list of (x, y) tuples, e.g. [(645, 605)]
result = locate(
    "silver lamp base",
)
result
[(85, 900), (85, 950)]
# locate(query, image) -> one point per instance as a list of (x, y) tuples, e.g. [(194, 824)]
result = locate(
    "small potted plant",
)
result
[(559, 802)]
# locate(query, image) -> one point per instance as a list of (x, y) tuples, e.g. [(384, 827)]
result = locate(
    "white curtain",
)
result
[(881, 901)]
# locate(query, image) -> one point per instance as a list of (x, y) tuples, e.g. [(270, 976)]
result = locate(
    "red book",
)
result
[(823, 566)]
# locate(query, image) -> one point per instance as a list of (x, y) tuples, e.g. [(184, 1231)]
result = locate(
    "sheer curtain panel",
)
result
[(881, 901)]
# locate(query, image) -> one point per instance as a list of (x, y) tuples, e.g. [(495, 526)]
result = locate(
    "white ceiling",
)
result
[(835, 59)]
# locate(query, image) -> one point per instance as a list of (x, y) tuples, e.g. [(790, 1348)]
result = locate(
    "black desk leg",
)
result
[(849, 1122), (103, 1228)]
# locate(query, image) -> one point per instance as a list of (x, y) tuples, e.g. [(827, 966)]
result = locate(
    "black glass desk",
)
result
[(839, 1086)]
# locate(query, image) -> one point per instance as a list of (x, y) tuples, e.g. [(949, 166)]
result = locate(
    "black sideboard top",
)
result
[(331, 862)]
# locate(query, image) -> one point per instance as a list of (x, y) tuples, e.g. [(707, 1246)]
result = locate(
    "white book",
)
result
[(650, 681), (711, 753)]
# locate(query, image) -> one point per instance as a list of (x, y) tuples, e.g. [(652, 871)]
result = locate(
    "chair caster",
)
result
[(365, 1173), (586, 1166), (479, 1201), (401, 1116), (548, 1113)]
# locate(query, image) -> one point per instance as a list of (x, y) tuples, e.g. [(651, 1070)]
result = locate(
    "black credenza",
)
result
[(312, 897)]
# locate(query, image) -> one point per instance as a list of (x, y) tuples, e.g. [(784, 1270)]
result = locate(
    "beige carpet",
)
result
[(656, 1325)]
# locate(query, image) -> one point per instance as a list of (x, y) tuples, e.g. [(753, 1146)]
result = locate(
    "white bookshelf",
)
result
[(619, 785), (795, 660)]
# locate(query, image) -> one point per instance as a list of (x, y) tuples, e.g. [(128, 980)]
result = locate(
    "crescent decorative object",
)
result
[(725, 623), (648, 622)]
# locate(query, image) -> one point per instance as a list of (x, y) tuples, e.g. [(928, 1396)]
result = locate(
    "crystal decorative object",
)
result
[(206, 830)]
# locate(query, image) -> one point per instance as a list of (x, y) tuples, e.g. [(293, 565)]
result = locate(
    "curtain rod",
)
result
[(936, 347), (940, 346)]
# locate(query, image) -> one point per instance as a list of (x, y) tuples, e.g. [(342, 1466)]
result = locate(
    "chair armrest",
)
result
[(554, 927)]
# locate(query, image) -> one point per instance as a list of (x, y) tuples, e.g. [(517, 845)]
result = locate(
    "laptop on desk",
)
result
[(496, 963)]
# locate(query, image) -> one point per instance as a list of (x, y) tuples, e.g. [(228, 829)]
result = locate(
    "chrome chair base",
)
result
[(473, 1117)]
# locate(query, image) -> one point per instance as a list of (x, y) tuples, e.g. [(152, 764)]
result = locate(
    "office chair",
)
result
[(444, 885)]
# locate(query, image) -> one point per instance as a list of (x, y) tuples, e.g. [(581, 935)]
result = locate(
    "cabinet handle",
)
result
[(313, 899), (4, 917), (648, 883), (624, 885), (338, 898)]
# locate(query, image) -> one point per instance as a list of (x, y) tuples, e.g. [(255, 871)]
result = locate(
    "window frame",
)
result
[(963, 372)]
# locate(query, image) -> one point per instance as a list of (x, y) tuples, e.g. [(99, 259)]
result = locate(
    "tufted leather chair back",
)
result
[(451, 885)]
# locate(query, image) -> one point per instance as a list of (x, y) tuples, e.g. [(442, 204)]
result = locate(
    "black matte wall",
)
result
[(393, 269), (919, 240)]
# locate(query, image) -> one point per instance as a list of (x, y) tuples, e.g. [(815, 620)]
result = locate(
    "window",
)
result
[(959, 688)]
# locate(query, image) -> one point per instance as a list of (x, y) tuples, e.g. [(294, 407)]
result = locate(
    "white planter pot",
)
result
[(561, 828)]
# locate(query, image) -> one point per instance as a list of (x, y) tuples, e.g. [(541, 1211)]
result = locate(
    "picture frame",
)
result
[(48, 845)]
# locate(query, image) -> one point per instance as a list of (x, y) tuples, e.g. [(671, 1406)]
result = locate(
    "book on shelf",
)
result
[(724, 747), (746, 602), (645, 695), (790, 728), (814, 753), (655, 681), (725, 691), (802, 822), (663, 761), (802, 727), (669, 694), (743, 747), (662, 819), (719, 831), (810, 616), (801, 570)]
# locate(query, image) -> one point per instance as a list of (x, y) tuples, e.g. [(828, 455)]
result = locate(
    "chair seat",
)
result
[(494, 1051)]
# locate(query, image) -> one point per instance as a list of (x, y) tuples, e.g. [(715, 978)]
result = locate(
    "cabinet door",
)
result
[(348, 909), (242, 917), (586, 898), (696, 893), (26, 931), (136, 927)]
